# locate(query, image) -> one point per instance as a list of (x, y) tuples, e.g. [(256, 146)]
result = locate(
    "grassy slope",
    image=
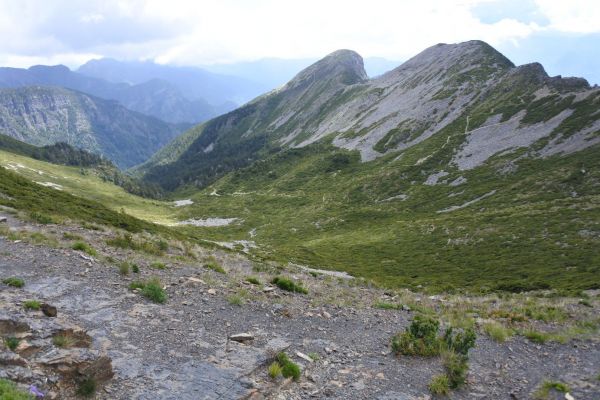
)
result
[(320, 206), (82, 182)]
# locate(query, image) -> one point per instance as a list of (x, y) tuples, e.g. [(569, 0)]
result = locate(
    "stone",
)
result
[(568, 396), (99, 369), (326, 315), (268, 289), (211, 291), (3, 219), (304, 356), (48, 310), (241, 337)]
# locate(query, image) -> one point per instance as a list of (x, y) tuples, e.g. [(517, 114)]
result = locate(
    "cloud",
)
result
[(203, 32)]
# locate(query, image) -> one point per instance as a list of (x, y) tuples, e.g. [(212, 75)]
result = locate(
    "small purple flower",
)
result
[(35, 391)]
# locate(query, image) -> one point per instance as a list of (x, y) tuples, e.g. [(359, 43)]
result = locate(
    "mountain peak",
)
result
[(343, 66)]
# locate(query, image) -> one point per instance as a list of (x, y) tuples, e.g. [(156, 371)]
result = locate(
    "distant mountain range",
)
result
[(48, 115), (154, 97)]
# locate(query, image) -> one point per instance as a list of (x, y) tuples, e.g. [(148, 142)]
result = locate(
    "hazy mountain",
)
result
[(47, 115), (157, 98), (193, 83)]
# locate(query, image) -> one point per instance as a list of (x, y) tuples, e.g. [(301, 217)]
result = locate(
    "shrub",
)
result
[(154, 291), (289, 369), (31, 305), (420, 338), (536, 336), (14, 282), (87, 387), (11, 342), (544, 390), (158, 265), (274, 370), (288, 285), (71, 236), (135, 268), (461, 342), (40, 218), (136, 285), (212, 264), (497, 331), (62, 341), (253, 280), (86, 248), (124, 241), (9, 391), (457, 366), (124, 268), (235, 300), (439, 385)]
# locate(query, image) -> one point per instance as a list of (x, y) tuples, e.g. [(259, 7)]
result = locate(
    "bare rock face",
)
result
[(39, 359)]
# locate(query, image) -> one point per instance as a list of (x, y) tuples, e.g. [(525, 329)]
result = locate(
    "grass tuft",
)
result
[(14, 282), (289, 285), (86, 248), (31, 305)]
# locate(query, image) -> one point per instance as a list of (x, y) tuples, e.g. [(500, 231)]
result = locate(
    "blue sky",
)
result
[(563, 35)]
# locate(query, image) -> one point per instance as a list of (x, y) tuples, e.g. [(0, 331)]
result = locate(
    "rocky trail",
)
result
[(136, 349)]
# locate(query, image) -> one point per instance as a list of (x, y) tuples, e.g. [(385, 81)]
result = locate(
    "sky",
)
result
[(563, 35)]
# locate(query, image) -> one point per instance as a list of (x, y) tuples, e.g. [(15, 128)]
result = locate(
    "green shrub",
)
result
[(547, 386), (439, 385), (460, 342), (497, 331), (71, 236), (86, 248), (135, 268), (124, 268), (154, 291), (124, 241), (136, 285), (9, 391), (211, 263), (235, 300), (40, 218), (456, 366), (253, 280), (274, 370), (31, 305), (536, 336), (63, 341), (288, 285), (12, 342), (420, 338), (158, 265), (289, 369), (14, 282), (87, 387)]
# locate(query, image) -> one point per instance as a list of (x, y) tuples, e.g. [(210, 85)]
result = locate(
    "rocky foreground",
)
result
[(216, 334)]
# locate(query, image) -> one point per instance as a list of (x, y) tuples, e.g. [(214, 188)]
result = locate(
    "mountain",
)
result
[(455, 170), (47, 115), (193, 83), (156, 97), (437, 89)]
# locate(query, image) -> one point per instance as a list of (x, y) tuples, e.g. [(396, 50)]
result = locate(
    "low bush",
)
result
[(14, 282), (497, 332), (31, 304), (212, 264), (288, 285), (154, 291), (87, 387), (289, 369), (86, 248), (419, 339), (544, 390), (40, 218), (253, 280), (11, 342), (124, 268), (439, 385)]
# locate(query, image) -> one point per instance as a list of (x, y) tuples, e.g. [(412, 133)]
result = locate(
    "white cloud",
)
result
[(210, 31)]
